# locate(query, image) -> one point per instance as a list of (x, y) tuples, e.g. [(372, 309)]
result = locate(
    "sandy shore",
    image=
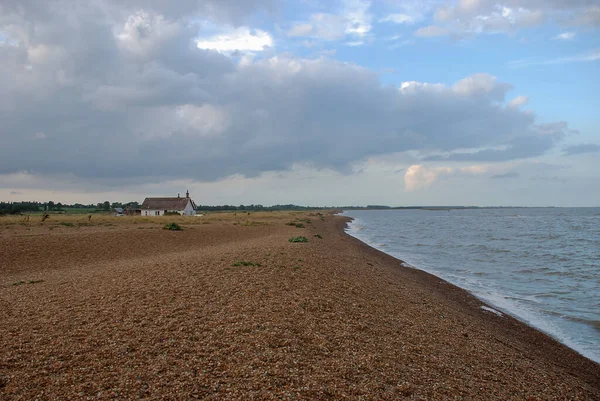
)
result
[(131, 311)]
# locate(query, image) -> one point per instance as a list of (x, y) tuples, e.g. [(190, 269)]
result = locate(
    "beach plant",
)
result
[(295, 224), (298, 239), (172, 227), (66, 224), (318, 236), (245, 263), (28, 282)]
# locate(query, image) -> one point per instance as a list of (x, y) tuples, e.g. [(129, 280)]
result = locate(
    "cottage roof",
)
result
[(166, 203)]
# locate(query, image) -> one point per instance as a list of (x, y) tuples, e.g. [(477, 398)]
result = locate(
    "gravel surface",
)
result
[(137, 312)]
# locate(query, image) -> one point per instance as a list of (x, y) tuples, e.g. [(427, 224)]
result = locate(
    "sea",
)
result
[(540, 265)]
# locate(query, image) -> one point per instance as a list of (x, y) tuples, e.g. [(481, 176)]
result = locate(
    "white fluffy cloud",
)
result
[(241, 39), (419, 176), (353, 21), (565, 36), (519, 101), (472, 17)]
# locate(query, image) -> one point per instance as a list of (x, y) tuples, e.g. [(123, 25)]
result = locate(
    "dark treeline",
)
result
[(29, 207), (51, 206), (19, 207), (252, 208)]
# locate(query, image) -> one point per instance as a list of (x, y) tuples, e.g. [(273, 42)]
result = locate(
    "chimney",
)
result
[(187, 194)]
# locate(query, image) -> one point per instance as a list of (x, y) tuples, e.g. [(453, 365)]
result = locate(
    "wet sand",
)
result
[(136, 312)]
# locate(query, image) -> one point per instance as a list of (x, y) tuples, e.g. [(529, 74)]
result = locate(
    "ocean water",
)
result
[(540, 265)]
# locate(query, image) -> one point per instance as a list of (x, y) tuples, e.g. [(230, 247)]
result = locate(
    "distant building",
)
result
[(160, 206), (133, 211), (118, 211)]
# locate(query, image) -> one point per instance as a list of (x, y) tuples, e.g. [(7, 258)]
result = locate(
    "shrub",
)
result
[(298, 239), (318, 236), (172, 214), (245, 263), (172, 227), (295, 224)]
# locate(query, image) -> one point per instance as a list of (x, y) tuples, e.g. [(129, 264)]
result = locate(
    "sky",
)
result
[(319, 103)]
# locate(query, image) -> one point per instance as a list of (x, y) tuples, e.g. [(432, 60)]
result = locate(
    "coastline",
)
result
[(491, 295), (462, 298), (329, 319)]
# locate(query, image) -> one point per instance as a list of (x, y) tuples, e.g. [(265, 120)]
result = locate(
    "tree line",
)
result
[(51, 206), (252, 208)]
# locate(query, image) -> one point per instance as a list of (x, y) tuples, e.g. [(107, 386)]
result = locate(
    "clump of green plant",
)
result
[(172, 227), (245, 263), (250, 223), (298, 239), (295, 224), (318, 236), (172, 214), (66, 224)]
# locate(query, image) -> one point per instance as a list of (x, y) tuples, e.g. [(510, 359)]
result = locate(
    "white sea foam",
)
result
[(494, 311)]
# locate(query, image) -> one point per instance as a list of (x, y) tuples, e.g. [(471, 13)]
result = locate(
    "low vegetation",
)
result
[(54, 220), (28, 282), (172, 227), (298, 239), (245, 263), (318, 236)]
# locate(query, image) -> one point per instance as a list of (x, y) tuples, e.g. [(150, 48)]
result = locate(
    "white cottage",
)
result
[(160, 206)]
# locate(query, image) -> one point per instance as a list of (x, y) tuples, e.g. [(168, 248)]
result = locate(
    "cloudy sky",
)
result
[(470, 102)]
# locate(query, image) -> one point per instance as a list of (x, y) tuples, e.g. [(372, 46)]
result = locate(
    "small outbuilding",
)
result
[(160, 206), (118, 211)]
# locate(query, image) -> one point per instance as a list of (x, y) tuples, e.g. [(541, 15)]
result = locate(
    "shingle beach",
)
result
[(229, 308)]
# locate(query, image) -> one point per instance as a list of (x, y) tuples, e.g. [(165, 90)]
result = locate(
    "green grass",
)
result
[(298, 239), (66, 224), (318, 236), (245, 263), (76, 210), (172, 227)]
